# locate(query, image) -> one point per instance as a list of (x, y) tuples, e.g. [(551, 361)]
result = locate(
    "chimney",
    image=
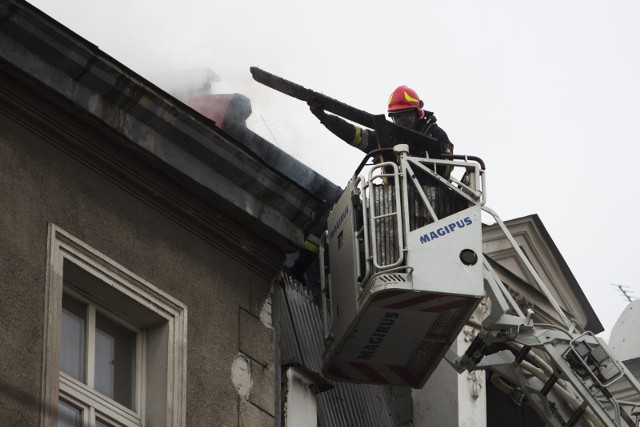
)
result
[(224, 109)]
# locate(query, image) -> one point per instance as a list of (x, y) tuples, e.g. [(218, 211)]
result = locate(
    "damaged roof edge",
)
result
[(284, 163), (274, 192)]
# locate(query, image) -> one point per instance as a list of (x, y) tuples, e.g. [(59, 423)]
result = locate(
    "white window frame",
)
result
[(82, 392), (88, 412), (171, 412)]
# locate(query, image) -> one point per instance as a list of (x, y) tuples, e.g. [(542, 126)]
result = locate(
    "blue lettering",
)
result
[(366, 355), (341, 219), (442, 231), (381, 331)]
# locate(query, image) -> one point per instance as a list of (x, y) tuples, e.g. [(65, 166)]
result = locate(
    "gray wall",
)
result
[(44, 179)]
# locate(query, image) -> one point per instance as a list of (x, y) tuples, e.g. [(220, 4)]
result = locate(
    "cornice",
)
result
[(159, 129), (71, 135)]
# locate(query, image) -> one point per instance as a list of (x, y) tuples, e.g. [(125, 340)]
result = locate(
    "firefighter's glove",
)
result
[(316, 109), (446, 148)]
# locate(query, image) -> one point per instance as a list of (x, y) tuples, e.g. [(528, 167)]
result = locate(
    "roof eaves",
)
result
[(158, 125)]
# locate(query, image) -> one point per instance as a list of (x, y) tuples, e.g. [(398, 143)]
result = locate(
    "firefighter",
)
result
[(405, 109)]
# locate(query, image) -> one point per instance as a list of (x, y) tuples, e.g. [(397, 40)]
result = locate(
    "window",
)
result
[(99, 352), (116, 346)]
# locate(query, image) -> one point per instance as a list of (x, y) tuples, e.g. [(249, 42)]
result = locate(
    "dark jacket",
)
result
[(366, 140)]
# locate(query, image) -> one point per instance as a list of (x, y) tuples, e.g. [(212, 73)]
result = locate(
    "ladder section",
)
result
[(567, 378), (567, 375)]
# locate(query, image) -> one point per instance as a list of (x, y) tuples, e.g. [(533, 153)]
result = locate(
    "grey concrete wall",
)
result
[(41, 184)]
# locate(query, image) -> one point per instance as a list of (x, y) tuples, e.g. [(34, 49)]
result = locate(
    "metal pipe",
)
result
[(464, 157)]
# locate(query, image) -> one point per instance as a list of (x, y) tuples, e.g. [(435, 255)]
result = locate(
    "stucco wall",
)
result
[(41, 184)]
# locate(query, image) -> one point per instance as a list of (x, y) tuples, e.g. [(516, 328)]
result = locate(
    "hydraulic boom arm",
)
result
[(565, 374)]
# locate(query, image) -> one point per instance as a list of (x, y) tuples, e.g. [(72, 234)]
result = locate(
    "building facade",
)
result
[(141, 242)]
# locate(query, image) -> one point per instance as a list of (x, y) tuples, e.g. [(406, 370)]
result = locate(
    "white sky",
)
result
[(547, 93)]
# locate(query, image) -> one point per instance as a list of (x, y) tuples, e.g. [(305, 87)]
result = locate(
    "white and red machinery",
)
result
[(402, 280), (404, 271)]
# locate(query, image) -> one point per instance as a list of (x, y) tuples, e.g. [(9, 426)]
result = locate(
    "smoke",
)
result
[(187, 45), (540, 107)]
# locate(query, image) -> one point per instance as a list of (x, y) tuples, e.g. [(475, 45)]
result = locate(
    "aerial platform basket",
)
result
[(402, 271)]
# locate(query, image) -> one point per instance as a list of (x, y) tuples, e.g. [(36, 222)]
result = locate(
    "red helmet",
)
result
[(405, 98)]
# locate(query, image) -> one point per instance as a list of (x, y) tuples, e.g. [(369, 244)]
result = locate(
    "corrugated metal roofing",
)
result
[(301, 342)]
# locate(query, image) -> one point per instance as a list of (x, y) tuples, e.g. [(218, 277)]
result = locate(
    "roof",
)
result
[(235, 170), (535, 241)]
